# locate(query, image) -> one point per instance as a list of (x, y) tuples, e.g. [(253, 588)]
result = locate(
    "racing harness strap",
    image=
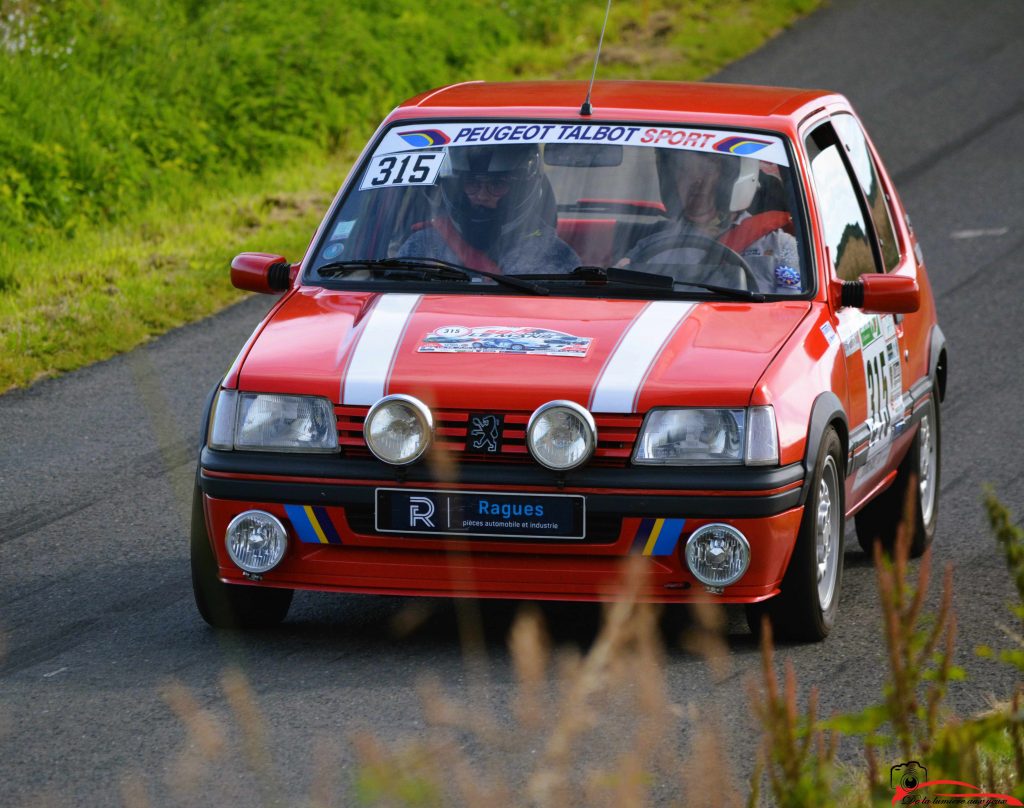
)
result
[(755, 228), (467, 254)]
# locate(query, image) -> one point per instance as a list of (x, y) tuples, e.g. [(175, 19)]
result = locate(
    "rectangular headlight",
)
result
[(278, 423), (708, 437), (692, 437)]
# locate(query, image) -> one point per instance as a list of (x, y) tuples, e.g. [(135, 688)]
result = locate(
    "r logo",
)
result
[(420, 510)]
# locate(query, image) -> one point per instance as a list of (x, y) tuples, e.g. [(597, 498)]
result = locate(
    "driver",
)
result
[(707, 196), (491, 215)]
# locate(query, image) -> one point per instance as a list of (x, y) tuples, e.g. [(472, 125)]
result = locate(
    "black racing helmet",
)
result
[(515, 167), (736, 186)]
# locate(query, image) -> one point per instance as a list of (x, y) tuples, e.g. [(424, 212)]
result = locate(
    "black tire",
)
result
[(798, 611), (227, 605), (880, 519)]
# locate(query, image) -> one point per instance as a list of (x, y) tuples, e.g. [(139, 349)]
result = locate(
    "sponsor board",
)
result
[(480, 513)]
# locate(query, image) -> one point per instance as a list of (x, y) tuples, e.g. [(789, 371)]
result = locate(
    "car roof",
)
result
[(629, 100)]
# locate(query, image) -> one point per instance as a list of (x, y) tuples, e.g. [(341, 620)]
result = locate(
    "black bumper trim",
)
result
[(333, 467), (639, 504)]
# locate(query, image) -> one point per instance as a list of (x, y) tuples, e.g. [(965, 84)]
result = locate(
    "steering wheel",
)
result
[(716, 252)]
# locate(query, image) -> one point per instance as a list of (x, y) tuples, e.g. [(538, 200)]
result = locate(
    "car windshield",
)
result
[(541, 200)]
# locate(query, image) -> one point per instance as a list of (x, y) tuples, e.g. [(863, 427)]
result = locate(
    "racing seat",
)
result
[(600, 239)]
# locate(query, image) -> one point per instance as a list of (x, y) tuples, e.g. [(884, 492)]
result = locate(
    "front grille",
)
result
[(616, 435)]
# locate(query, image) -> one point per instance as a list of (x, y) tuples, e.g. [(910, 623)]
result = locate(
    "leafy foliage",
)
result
[(132, 130), (912, 721), (107, 105)]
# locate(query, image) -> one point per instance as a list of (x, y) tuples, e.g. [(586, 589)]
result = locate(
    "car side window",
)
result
[(863, 166), (846, 231)]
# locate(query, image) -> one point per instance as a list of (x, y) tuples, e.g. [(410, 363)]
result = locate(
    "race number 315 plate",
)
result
[(481, 513), (391, 170)]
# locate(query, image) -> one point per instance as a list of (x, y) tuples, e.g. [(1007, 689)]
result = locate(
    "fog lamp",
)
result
[(256, 541), (717, 555)]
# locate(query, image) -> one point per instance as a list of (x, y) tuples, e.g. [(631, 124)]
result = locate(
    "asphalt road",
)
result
[(96, 609)]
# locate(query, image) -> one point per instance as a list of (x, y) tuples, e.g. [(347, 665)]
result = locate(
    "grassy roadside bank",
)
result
[(119, 215)]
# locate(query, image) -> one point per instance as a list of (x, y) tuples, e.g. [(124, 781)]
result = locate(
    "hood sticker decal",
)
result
[(625, 371), (504, 340)]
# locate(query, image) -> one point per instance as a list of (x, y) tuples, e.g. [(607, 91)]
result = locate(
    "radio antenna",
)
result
[(586, 109)]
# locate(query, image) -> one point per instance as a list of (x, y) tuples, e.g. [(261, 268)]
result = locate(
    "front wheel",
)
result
[(229, 605), (806, 607), (917, 477)]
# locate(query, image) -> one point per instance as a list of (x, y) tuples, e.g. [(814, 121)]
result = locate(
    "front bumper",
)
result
[(347, 554)]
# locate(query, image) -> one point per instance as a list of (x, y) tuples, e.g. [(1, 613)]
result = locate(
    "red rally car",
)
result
[(529, 340)]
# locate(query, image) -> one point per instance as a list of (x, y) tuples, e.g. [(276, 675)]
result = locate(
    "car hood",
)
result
[(514, 353)]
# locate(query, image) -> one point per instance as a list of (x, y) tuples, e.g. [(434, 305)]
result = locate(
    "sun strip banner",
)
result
[(445, 135)]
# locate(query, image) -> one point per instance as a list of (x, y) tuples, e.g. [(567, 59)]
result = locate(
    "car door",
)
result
[(900, 254), (849, 199)]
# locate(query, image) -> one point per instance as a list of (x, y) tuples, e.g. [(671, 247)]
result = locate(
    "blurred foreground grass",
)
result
[(143, 143), (600, 728)]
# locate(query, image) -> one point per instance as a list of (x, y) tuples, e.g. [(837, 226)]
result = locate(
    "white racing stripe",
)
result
[(365, 380), (626, 369)]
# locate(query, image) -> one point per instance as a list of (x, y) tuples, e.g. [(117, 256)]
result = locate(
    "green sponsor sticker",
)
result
[(870, 332)]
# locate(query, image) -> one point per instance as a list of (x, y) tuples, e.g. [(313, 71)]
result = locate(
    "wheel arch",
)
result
[(204, 425), (198, 512), (938, 360), (827, 411)]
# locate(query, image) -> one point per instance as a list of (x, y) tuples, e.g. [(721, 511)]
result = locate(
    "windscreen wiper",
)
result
[(616, 276), (726, 291), (429, 267)]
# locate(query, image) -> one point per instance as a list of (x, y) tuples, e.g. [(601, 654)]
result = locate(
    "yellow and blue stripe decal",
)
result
[(657, 537), (313, 525), (421, 138), (743, 146)]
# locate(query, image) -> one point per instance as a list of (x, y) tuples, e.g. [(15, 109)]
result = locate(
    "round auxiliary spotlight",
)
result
[(256, 541), (717, 555), (398, 429), (561, 435)]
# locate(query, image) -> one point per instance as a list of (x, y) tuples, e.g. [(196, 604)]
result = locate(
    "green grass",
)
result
[(110, 289), (144, 143)]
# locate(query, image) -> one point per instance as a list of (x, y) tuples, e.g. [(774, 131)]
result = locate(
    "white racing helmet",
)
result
[(736, 187)]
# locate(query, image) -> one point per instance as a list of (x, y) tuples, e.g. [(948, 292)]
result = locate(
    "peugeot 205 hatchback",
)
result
[(527, 342)]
